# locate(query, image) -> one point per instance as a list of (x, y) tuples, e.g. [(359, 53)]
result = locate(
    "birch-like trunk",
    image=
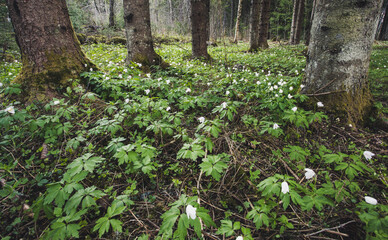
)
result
[(236, 31)]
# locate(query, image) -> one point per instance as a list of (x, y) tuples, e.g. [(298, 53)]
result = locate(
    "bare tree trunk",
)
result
[(112, 23), (254, 26), (299, 21), (264, 23), (295, 15), (138, 32), (236, 32), (342, 35), (383, 31), (200, 28), (310, 23), (51, 53)]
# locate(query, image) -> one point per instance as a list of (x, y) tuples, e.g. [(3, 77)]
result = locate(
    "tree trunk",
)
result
[(200, 28), (307, 42), (138, 33), (236, 32), (264, 23), (51, 53), (342, 35), (254, 26), (294, 21), (112, 23), (297, 22), (383, 33)]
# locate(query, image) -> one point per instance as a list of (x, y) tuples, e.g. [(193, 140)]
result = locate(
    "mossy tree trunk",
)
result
[(236, 30), (138, 33), (51, 53), (264, 23), (200, 28), (254, 25), (342, 35)]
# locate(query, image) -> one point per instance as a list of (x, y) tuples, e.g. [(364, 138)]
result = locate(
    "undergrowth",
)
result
[(199, 151)]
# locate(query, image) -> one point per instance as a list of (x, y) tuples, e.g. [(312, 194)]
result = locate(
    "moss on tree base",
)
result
[(44, 84)]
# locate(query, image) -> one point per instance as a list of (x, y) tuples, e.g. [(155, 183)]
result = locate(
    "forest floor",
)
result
[(124, 153)]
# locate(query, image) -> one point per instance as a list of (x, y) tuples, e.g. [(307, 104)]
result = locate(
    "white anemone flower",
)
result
[(280, 91), (368, 155), (239, 238), (309, 173), (168, 109), (289, 96), (201, 119), (56, 102), (1, 84), (302, 86), (320, 104), (147, 91), (168, 81), (224, 104), (127, 100), (227, 93), (291, 88), (294, 109), (188, 90), (10, 110), (370, 200), (275, 126), (191, 212), (285, 188)]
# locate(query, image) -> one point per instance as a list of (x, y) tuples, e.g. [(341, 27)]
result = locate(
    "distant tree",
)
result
[(236, 32), (297, 22), (112, 23), (259, 24), (264, 23), (383, 31), (200, 28), (342, 35), (138, 33), (254, 25), (50, 51)]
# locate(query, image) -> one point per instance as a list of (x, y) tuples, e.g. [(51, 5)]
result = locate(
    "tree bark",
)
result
[(138, 33), (342, 35), (254, 26), (297, 22), (112, 23), (264, 24), (383, 33), (294, 20), (307, 41), (51, 53), (200, 28), (236, 32)]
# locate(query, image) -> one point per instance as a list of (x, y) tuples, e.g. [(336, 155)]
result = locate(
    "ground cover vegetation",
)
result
[(213, 150)]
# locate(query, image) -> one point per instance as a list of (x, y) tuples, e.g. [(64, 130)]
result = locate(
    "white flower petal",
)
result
[(239, 238), (309, 173), (320, 104), (368, 155), (370, 200), (201, 119), (191, 212), (294, 109), (285, 188), (275, 126)]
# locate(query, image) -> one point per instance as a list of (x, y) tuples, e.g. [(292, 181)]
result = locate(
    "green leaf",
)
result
[(183, 224), (102, 225)]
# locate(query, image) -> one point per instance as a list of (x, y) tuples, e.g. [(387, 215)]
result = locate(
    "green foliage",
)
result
[(90, 164)]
